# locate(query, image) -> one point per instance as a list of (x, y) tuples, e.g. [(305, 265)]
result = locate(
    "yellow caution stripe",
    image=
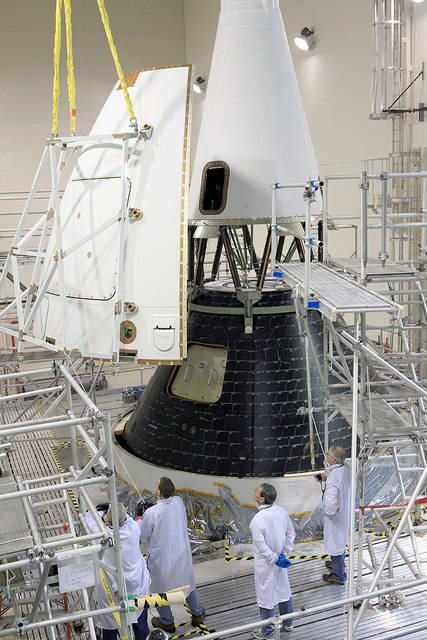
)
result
[(227, 557)]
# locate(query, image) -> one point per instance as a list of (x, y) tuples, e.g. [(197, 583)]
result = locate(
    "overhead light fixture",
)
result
[(305, 40), (418, 1), (199, 84)]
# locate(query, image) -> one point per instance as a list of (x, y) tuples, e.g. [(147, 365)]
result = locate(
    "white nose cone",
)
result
[(253, 131)]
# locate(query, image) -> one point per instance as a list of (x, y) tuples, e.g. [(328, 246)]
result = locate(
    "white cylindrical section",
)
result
[(253, 117)]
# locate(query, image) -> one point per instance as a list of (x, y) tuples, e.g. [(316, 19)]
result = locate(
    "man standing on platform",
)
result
[(336, 512), (273, 538), (164, 526)]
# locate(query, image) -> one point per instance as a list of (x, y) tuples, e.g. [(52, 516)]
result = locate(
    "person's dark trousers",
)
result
[(140, 629), (338, 567), (284, 607)]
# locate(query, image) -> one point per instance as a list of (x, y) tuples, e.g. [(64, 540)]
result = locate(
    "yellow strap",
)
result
[(109, 596), (106, 23), (56, 56), (70, 66)]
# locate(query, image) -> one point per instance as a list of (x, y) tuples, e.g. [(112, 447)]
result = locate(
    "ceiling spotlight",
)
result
[(199, 84), (418, 1), (305, 40)]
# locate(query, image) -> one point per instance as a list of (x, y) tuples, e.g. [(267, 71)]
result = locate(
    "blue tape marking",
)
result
[(277, 274), (313, 304), (276, 185), (313, 185)]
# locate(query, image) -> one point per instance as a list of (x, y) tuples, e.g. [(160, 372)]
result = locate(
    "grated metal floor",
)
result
[(226, 590), (231, 602)]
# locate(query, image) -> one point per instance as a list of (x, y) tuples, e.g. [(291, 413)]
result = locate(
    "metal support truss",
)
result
[(380, 390), (30, 242), (34, 547)]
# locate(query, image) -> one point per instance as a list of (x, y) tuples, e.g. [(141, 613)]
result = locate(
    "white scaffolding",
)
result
[(381, 390), (30, 545)]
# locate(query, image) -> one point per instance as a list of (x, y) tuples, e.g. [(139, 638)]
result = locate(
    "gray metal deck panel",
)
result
[(377, 271), (335, 292), (231, 602), (384, 422)]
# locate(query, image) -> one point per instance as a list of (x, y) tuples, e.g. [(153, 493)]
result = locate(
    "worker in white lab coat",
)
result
[(164, 526), (336, 514), (273, 538), (135, 571)]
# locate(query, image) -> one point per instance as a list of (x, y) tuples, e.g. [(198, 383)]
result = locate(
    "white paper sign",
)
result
[(76, 576)]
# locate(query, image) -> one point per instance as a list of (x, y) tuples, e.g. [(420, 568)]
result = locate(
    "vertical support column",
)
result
[(364, 187), (325, 230), (273, 246), (121, 257), (122, 591), (59, 252), (320, 239), (326, 378), (353, 472), (384, 188), (309, 398), (307, 248)]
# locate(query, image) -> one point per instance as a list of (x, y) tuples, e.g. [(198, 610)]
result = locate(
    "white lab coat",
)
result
[(168, 548), (135, 570), (272, 534), (336, 509)]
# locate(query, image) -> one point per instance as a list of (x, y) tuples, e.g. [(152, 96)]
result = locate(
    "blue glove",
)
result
[(283, 562)]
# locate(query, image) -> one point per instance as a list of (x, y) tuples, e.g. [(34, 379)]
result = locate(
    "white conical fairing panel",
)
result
[(253, 120)]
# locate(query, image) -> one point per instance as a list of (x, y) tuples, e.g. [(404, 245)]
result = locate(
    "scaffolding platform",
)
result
[(385, 423), (336, 293), (15, 536), (377, 271)]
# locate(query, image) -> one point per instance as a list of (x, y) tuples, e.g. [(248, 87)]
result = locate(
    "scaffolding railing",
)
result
[(67, 495)]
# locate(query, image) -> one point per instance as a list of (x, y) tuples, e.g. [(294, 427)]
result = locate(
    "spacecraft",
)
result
[(235, 411)]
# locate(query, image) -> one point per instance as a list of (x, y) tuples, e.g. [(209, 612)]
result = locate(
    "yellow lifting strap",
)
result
[(106, 23), (56, 57), (70, 66)]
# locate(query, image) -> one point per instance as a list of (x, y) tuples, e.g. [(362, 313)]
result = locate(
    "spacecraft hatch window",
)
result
[(214, 188), (201, 377)]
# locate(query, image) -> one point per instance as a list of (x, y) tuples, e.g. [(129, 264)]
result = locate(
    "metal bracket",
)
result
[(146, 132), (248, 297)]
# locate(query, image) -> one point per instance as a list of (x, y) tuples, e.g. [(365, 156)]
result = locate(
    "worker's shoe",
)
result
[(196, 620), (331, 579), (157, 623), (328, 564), (287, 627), (259, 635)]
